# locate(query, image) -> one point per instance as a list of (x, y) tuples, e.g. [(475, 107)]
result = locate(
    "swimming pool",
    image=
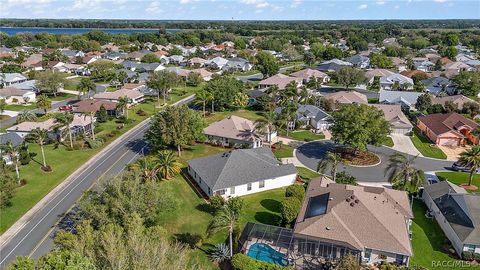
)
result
[(266, 253)]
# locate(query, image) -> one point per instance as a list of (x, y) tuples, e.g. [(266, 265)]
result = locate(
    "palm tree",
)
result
[(227, 218), (3, 105), (471, 159), (64, 120), (123, 105), (266, 125), (85, 86), (148, 168), (13, 153), (40, 136), (402, 174), (303, 95), (331, 160), (44, 103), (201, 98), (26, 116), (168, 164)]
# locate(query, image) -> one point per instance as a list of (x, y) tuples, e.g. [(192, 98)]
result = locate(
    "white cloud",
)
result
[(296, 3), (364, 6), (397, 7), (154, 8), (187, 1), (380, 2), (440, 1), (259, 4)]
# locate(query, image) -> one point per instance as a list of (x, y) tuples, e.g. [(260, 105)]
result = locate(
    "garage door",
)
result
[(400, 130), (447, 141)]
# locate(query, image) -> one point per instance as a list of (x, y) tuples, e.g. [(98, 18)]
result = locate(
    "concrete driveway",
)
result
[(453, 152), (403, 143), (309, 154)]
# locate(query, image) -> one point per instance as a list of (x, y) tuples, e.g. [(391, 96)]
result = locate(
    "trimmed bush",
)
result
[(98, 129), (296, 191), (243, 262), (290, 208)]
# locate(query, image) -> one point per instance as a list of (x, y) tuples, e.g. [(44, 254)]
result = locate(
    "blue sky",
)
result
[(242, 9)]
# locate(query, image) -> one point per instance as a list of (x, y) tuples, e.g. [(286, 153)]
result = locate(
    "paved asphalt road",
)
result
[(310, 153), (36, 237)]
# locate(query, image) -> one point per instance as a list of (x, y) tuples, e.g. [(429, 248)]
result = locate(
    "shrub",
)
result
[(141, 112), (217, 202), (98, 129), (94, 143), (476, 256), (219, 253), (468, 256), (290, 208), (345, 178), (243, 262), (296, 191), (25, 156)]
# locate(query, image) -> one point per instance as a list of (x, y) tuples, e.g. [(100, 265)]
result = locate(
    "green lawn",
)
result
[(425, 146), (388, 142), (263, 207), (427, 240), (307, 174), (70, 84), (246, 73), (217, 116), (61, 96), (305, 136), (459, 178), (18, 107), (283, 151)]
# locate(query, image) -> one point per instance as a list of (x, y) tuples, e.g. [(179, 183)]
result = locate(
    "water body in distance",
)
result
[(14, 30)]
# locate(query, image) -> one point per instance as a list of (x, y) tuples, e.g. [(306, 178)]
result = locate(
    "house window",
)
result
[(261, 184), (368, 254), (220, 192), (469, 248), (249, 186), (232, 190), (399, 259)]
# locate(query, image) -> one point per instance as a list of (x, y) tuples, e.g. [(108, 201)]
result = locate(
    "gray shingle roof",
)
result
[(14, 138), (239, 167)]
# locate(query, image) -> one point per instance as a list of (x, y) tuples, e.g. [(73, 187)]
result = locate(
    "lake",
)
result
[(14, 30)]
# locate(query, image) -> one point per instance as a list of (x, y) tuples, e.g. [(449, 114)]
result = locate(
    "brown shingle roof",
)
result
[(233, 127), (440, 123), (377, 219), (348, 97), (93, 105)]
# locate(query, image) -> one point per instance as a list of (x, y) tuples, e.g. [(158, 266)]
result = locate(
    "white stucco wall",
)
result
[(241, 190), (376, 256), (274, 183), (446, 228)]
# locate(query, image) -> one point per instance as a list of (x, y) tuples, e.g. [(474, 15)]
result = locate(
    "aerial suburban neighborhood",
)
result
[(240, 135)]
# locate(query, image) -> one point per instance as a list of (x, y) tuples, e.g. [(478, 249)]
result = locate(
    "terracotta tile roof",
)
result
[(411, 73), (440, 123), (358, 217)]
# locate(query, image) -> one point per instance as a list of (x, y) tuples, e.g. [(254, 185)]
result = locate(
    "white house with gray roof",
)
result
[(457, 213), (241, 172), (7, 79), (405, 98), (389, 82)]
